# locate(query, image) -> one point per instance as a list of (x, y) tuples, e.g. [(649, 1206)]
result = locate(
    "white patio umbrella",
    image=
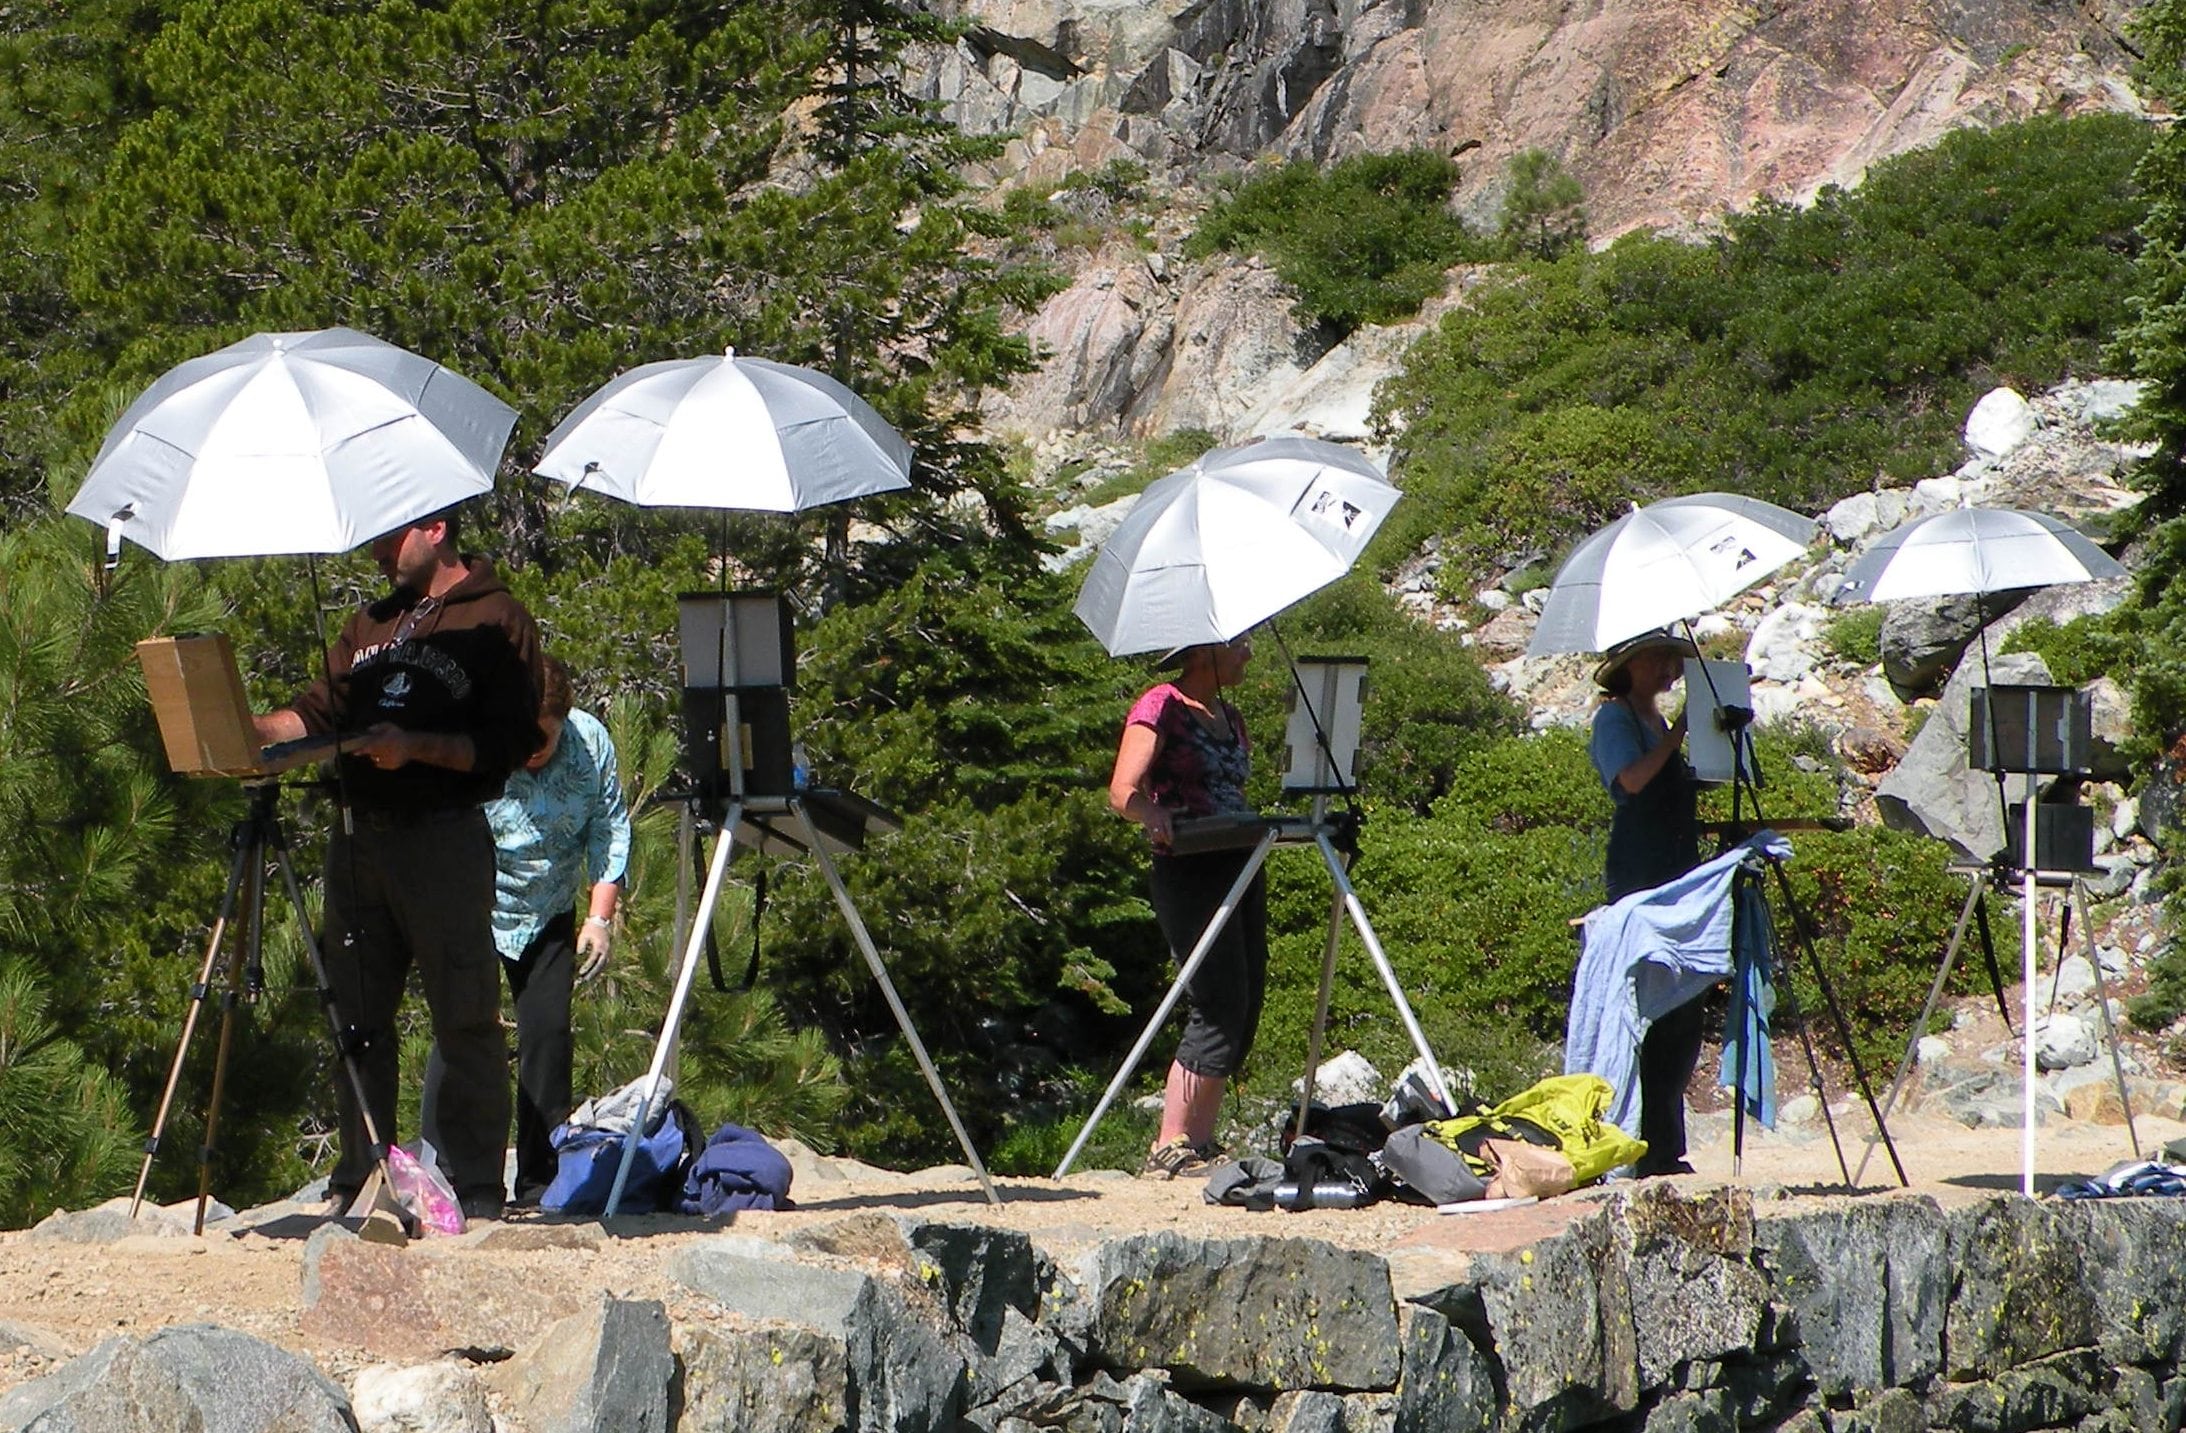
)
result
[(726, 432), (1663, 563), (292, 443), (1231, 540), (1976, 551)]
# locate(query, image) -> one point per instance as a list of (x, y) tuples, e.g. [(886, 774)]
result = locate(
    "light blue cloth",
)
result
[(1646, 955), (553, 829), (1753, 1007)]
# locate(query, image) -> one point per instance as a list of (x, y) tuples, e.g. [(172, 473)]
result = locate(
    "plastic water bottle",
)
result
[(800, 766)]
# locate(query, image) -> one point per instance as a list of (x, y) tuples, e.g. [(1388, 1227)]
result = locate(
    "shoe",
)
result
[(1181, 1159), (1644, 1170), (334, 1205), (480, 1208)]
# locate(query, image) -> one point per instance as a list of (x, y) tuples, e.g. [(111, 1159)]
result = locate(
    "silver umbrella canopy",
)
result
[(1663, 563), (1231, 540), (292, 443), (1974, 550), (726, 432)]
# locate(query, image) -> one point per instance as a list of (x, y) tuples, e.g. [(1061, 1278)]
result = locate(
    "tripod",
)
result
[(1748, 946), (778, 823), (1323, 740), (255, 839), (1323, 834)]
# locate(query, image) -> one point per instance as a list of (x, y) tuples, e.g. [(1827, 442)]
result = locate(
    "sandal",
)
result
[(1181, 1159)]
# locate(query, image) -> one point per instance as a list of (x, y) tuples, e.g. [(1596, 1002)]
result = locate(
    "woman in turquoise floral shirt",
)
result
[(560, 823)]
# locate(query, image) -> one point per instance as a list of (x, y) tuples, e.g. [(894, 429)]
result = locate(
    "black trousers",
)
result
[(1668, 1055), (1226, 993), (419, 892), (542, 980)]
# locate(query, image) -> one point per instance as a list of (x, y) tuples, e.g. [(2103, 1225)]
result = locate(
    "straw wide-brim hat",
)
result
[(1660, 640)]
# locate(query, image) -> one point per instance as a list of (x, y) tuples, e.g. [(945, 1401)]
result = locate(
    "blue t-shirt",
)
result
[(1620, 738)]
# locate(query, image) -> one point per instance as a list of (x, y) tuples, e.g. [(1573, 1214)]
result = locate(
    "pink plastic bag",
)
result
[(423, 1190)]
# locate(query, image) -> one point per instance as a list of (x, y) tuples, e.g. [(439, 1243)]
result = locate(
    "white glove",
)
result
[(595, 938)]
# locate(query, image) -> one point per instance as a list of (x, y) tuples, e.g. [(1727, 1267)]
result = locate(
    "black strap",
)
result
[(758, 908), (1988, 955)]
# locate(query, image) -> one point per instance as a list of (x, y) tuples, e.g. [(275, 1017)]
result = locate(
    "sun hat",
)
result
[(1661, 639)]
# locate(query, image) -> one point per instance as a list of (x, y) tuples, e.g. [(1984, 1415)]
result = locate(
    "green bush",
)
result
[(1365, 240), (1879, 906), (1807, 354), (1855, 635)]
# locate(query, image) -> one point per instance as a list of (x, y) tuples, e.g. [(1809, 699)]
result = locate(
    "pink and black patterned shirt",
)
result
[(1195, 772)]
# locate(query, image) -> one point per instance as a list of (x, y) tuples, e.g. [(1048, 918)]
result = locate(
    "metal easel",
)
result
[(738, 653), (1321, 765)]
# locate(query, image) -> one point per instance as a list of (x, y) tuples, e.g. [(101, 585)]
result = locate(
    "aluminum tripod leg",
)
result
[(694, 945), (1920, 1026), (1350, 899), (1320, 1008), (2078, 898), (1192, 963), (864, 939), (245, 849)]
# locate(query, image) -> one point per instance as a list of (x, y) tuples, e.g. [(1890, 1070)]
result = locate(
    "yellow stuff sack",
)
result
[(1564, 1111)]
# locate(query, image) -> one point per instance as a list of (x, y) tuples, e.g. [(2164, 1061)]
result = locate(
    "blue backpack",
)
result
[(589, 1157)]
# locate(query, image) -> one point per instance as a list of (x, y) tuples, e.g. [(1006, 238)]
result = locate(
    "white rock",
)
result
[(1348, 1079), (2124, 817), (1799, 1110), (2062, 1041), (2000, 422), (1934, 495), (2101, 400), (1535, 600), (1931, 1048), (1852, 518), (2075, 979), (442, 1397), (1715, 624), (1782, 649), (1493, 599)]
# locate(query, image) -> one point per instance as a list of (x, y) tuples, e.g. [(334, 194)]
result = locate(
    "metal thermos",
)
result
[(1328, 1194)]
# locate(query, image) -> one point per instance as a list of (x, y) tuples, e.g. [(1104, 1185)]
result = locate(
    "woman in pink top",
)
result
[(1184, 753)]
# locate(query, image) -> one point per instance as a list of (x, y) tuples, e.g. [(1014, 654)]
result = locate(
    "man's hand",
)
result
[(595, 939), (386, 746)]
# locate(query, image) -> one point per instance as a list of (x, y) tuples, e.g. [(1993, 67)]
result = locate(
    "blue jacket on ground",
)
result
[(736, 1170)]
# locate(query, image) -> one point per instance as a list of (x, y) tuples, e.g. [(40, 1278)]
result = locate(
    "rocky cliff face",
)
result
[(1670, 113)]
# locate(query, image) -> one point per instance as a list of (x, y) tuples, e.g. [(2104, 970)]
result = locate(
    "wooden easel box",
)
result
[(197, 695)]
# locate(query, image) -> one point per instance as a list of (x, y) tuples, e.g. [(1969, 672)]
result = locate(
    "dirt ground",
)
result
[(58, 1299)]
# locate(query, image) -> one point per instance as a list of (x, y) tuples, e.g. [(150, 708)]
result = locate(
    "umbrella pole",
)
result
[(1192, 963)]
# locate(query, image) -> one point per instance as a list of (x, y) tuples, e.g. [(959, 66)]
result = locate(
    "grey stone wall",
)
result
[(1656, 1309)]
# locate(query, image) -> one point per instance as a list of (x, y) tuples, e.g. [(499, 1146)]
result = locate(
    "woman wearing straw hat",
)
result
[(1653, 837), (1184, 753)]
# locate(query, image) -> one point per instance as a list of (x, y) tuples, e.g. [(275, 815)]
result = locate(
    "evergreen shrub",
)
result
[(1803, 356), (1365, 240)]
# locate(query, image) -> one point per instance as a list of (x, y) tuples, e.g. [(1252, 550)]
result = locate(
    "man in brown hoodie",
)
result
[(441, 679)]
